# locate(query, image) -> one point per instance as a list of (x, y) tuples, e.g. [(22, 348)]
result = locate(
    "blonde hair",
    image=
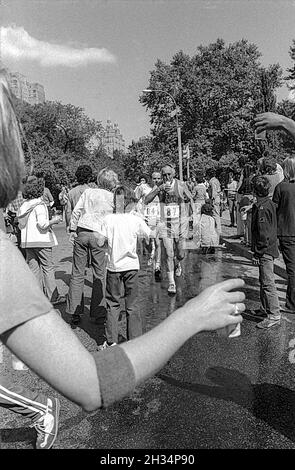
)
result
[(289, 168), (107, 179), (11, 153)]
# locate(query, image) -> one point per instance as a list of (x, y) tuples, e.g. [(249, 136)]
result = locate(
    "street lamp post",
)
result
[(177, 126)]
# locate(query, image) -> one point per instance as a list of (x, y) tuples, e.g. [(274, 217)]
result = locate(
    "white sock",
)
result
[(171, 277)]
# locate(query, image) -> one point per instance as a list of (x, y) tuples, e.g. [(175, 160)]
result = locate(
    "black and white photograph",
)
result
[(147, 229)]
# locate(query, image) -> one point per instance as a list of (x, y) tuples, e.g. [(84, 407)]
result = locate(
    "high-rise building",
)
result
[(37, 93), (32, 93), (112, 139)]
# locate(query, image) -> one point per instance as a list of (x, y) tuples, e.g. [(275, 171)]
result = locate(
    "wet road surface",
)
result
[(215, 392)]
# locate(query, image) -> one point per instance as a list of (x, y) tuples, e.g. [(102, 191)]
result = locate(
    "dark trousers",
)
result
[(268, 292), (129, 281), (287, 245), (232, 207), (85, 242), (30, 404)]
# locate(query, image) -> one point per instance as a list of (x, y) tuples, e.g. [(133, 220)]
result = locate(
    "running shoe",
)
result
[(60, 300), (172, 288), (178, 270), (267, 323), (75, 320), (158, 275), (47, 425), (105, 345), (256, 313)]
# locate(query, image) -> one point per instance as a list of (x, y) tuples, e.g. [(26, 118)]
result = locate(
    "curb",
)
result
[(243, 251)]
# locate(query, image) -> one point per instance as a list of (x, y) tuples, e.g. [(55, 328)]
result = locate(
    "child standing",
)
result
[(265, 249), (120, 230)]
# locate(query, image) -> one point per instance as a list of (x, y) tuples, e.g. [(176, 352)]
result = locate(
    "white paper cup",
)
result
[(236, 331), (17, 364), (231, 331)]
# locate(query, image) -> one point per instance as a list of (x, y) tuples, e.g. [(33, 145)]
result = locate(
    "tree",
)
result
[(100, 159), (56, 138), (216, 91), (141, 158), (291, 77)]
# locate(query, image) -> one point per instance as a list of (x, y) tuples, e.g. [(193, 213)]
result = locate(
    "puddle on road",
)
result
[(199, 271)]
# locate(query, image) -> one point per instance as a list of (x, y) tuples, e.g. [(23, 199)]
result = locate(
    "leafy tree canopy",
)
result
[(216, 94)]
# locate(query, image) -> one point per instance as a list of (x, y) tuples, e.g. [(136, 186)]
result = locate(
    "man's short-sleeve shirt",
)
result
[(21, 298)]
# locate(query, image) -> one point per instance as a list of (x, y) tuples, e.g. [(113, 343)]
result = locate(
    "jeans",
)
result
[(268, 293), (287, 245), (240, 227), (41, 263), (232, 206), (129, 280), (85, 242)]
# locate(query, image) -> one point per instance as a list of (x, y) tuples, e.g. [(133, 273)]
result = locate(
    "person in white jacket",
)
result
[(38, 238)]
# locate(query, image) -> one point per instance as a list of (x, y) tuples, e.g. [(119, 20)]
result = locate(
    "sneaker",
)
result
[(268, 323), (172, 288), (61, 299), (158, 275), (76, 319), (150, 261), (47, 425), (105, 345), (178, 270), (208, 250), (257, 313)]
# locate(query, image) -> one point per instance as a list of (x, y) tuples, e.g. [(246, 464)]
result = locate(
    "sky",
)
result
[(98, 54)]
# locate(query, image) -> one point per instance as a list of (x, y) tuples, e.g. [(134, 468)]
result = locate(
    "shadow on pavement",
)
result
[(273, 404), (65, 277), (22, 434)]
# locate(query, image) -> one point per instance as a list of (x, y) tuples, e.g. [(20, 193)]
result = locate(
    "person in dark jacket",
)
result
[(265, 250), (284, 198)]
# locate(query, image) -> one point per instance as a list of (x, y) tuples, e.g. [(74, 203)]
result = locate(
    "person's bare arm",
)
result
[(49, 347), (151, 196), (68, 213), (272, 121)]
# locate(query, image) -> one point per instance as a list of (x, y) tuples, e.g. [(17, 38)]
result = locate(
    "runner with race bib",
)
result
[(176, 203)]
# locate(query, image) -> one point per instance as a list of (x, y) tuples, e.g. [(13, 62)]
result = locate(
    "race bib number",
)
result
[(171, 211), (152, 211)]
